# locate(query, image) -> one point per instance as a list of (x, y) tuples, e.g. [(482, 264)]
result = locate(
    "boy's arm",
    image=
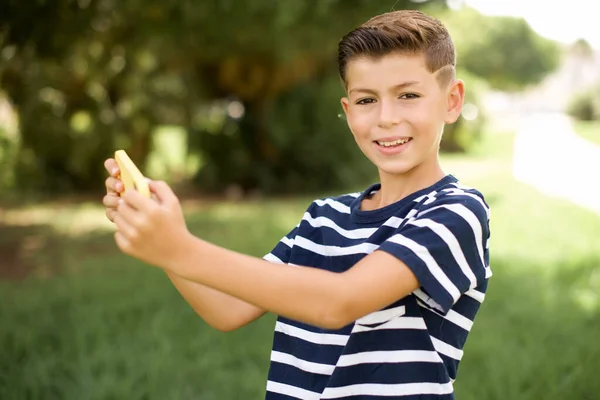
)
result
[(219, 310), (444, 252), (317, 297), (223, 311)]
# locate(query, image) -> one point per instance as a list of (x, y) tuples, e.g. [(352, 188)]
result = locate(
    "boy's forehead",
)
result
[(391, 69)]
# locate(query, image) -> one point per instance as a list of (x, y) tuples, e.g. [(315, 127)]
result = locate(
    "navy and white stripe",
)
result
[(412, 348)]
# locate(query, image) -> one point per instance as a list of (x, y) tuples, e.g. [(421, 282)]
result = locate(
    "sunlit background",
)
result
[(236, 105)]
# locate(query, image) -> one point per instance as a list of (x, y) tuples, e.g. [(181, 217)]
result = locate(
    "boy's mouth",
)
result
[(393, 143)]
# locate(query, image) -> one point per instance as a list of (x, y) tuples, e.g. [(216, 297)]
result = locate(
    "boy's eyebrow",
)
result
[(399, 86)]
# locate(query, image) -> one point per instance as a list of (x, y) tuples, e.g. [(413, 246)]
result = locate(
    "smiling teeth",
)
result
[(394, 143)]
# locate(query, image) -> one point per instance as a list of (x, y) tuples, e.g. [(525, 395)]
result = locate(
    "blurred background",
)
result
[(236, 104)]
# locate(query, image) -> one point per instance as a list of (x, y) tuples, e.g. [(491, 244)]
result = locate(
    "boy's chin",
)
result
[(395, 168)]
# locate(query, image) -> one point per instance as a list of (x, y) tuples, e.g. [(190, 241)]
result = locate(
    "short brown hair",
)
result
[(403, 31)]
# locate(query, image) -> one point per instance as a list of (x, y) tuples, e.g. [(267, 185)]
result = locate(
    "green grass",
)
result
[(589, 130), (90, 323)]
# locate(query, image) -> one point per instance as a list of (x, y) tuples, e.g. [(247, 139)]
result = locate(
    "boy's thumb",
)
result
[(163, 192)]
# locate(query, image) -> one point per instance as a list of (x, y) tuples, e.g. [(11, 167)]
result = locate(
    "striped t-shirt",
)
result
[(411, 349)]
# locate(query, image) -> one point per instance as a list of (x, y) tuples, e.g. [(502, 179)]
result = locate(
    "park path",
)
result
[(549, 156)]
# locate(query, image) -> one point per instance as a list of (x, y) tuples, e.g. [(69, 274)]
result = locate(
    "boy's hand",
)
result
[(153, 231), (113, 188)]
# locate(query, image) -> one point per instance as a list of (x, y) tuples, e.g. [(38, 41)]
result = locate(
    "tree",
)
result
[(88, 76), (505, 51)]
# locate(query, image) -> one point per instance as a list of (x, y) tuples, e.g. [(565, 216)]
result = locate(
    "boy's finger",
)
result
[(111, 201), (136, 201), (112, 167), (163, 192), (111, 214), (114, 185)]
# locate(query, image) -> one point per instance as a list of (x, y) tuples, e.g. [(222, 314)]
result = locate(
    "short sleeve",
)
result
[(445, 246), (281, 252)]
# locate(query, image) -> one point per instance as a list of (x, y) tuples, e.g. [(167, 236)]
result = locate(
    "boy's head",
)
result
[(398, 69)]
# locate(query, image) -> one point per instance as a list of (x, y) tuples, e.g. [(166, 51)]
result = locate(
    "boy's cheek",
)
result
[(359, 125)]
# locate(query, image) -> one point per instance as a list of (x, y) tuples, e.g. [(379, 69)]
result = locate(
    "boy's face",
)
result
[(396, 110)]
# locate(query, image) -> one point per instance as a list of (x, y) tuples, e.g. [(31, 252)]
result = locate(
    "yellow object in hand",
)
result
[(131, 176)]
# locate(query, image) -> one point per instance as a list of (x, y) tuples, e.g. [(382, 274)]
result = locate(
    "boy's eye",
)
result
[(409, 96), (365, 101)]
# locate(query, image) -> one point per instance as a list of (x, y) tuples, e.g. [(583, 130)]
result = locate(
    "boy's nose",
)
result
[(389, 115)]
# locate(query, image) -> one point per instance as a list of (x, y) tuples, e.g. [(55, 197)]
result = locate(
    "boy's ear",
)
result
[(456, 98), (345, 103)]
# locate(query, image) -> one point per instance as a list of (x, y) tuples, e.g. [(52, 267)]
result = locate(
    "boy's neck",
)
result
[(396, 187)]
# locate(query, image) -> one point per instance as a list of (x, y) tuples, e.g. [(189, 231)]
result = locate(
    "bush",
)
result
[(585, 106), (298, 142)]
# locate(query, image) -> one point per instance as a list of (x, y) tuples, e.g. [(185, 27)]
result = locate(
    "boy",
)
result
[(377, 291)]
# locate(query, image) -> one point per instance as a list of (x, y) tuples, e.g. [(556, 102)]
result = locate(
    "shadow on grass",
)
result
[(25, 250), (104, 325), (109, 327)]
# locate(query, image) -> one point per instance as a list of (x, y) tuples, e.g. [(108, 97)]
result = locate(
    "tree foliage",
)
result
[(504, 51), (89, 76)]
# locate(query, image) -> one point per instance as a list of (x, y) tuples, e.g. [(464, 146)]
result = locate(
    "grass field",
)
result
[(90, 323), (589, 130)]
